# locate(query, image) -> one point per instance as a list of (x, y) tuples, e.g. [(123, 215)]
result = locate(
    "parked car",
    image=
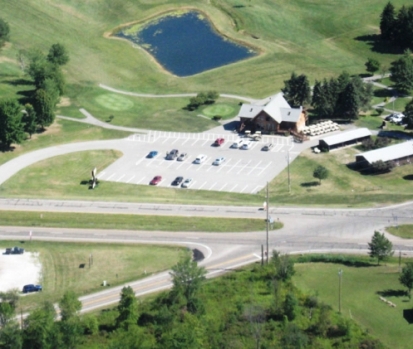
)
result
[(396, 118), (172, 155), (152, 154), (219, 141), (14, 250), (187, 183), (246, 145), (218, 161), (182, 156), (32, 288), (237, 144), (177, 180), (267, 147), (156, 180), (200, 159)]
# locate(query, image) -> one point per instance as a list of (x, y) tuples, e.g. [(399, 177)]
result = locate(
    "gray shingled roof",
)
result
[(392, 152), (346, 136), (291, 114)]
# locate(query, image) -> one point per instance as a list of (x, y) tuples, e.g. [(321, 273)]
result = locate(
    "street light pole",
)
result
[(267, 223), (340, 273)]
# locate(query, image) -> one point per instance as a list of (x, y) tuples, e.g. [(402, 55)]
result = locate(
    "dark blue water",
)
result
[(187, 45)]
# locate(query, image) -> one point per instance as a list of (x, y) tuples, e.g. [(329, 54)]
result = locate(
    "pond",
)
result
[(186, 44)]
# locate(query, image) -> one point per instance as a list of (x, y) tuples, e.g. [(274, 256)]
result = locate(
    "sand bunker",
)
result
[(19, 270)]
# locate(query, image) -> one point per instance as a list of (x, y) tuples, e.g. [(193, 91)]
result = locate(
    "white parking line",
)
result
[(234, 165), (131, 179), (213, 186), (226, 162), (120, 178), (201, 165), (141, 180), (139, 161), (180, 165), (259, 174), (176, 140), (232, 189), (202, 186), (253, 145), (244, 188), (242, 168), (277, 148), (207, 141), (110, 176), (186, 140), (257, 189), (100, 175), (254, 168), (223, 187), (194, 142), (166, 139)]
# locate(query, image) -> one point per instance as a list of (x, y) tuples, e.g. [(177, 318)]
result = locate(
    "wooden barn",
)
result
[(272, 115)]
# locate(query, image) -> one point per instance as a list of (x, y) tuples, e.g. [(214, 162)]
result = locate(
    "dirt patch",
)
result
[(19, 270), (64, 102)]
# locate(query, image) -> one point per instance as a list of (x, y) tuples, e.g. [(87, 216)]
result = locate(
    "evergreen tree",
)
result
[(297, 91), (372, 65), (290, 306), (408, 112), (380, 247), (4, 32), (44, 103), (402, 72), (128, 309), (58, 55), (388, 22), (404, 28), (29, 119), (348, 103), (11, 127)]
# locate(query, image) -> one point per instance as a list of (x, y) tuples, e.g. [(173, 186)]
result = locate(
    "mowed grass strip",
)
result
[(65, 266), (404, 231), (131, 222), (360, 297)]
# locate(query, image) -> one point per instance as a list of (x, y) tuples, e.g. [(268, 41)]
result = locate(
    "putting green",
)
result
[(218, 109), (114, 102)]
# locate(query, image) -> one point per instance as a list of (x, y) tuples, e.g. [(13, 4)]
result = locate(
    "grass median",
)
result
[(66, 266), (404, 231)]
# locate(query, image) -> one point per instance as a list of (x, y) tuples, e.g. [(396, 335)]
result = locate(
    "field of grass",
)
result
[(115, 263), (404, 231), (131, 222), (361, 288)]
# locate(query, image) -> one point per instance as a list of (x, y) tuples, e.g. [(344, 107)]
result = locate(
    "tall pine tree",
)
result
[(387, 22)]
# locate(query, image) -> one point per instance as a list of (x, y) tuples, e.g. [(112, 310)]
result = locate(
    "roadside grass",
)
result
[(399, 104), (132, 222), (404, 231), (361, 288), (61, 132), (62, 268), (343, 187), (369, 121)]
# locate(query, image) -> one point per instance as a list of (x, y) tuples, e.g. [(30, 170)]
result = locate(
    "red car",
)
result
[(219, 141), (155, 180)]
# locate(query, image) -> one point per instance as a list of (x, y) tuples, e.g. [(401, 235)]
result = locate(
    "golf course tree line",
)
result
[(202, 98), (340, 98), (37, 109), (397, 26)]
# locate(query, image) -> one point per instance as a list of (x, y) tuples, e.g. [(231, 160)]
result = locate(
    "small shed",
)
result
[(400, 153), (344, 139)]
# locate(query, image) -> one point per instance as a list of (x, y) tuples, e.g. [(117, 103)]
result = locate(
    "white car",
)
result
[(187, 183), (246, 145), (397, 119), (237, 144), (200, 159), (218, 161)]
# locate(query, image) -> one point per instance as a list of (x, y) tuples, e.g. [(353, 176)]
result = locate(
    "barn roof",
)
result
[(392, 152), (346, 136)]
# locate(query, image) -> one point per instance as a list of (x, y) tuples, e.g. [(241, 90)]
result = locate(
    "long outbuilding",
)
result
[(400, 153), (344, 139)]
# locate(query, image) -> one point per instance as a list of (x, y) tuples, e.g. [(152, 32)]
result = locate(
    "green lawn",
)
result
[(404, 231), (115, 263), (360, 298), (131, 222)]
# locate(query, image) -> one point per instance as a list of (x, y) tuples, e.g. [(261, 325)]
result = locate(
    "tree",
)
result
[(128, 309), (187, 279), (29, 119), (10, 336), (372, 65), (320, 172), (380, 247), (294, 338), (297, 90), (212, 96), (44, 103), (11, 127), (4, 32), (6, 314), (69, 306), (406, 278), (284, 265), (290, 306), (58, 54), (380, 166), (349, 102), (402, 72), (387, 22), (408, 112)]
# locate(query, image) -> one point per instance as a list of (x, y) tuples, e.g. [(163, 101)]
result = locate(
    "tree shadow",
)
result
[(408, 178), (378, 45), (383, 93), (408, 315), (310, 184), (4, 148), (20, 82), (392, 293)]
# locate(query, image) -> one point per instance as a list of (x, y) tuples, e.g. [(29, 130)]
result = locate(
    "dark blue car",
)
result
[(32, 288), (152, 154)]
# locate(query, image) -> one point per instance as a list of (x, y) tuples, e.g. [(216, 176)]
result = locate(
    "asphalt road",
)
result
[(305, 230)]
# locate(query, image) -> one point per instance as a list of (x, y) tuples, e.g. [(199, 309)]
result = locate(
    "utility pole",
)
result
[(340, 273), (268, 222)]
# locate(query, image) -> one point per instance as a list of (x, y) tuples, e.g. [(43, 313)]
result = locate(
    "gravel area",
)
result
[(19, 270)]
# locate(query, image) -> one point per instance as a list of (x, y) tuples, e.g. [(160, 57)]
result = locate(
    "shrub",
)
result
[(382, 167)]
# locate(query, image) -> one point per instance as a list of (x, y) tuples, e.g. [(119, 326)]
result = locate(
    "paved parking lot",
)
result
[(243, 171)]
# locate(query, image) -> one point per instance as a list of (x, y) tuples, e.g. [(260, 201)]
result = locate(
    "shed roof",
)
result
[(346, 136), (392, 152)]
